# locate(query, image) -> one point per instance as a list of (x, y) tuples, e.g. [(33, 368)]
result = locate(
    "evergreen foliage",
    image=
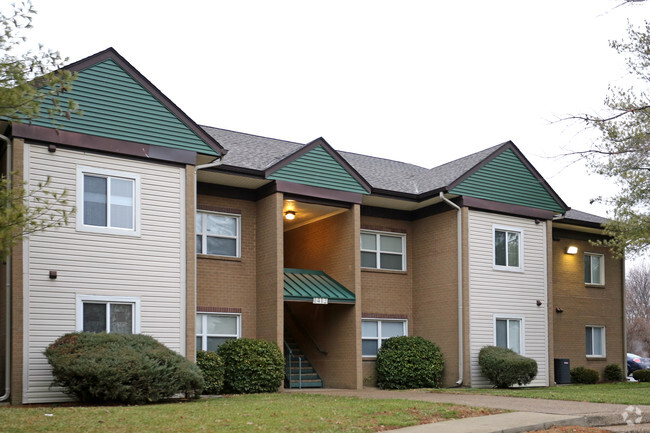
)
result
[(409, 362)]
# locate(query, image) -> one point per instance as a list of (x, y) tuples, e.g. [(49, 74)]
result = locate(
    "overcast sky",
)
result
[(423, 82)]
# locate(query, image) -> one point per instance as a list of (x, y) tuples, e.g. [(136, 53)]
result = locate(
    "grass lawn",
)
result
[(619, 393), (241, 413)]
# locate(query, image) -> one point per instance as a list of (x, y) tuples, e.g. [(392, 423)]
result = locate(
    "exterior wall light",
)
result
[(290, 215), (572, 249)]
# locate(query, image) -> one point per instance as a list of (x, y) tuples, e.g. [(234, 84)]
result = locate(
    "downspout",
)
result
[(459, 231), (5, 396), (218, 161)]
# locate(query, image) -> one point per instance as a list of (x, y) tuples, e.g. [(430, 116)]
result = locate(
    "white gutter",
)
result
[(459, 230), (214, 163), (5, 396)]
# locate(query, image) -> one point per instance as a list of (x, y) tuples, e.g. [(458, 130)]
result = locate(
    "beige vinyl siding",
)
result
[(507, 293), (149, 267)]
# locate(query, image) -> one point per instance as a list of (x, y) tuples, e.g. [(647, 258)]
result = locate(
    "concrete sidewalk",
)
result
[(531, 414)]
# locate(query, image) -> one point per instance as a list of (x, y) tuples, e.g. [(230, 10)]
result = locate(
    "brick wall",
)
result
[(224, 282), (270, 269), (435, 286), (583, 305)]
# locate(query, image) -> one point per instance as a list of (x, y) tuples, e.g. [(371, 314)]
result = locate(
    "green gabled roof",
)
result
[(305, 285), (317, 164), (509, 178), (119, 103)]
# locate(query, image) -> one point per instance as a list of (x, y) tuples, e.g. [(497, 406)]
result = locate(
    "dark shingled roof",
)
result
[(583, 217), (259, 153)]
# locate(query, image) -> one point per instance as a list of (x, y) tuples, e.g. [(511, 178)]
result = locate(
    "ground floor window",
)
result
[(119, 315), (212, 329), (373, 332), (595, 340), (508, 332)]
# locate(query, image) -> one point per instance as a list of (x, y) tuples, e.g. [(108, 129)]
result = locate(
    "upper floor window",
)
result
[(373, 332), (595, 340), (114, 314), (508, 248), (594, 269), (108, 201), (508, 332), (383, 250), (218, 234), (212, 330)]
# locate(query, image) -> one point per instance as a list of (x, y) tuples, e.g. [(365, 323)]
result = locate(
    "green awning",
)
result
[(314, 286)]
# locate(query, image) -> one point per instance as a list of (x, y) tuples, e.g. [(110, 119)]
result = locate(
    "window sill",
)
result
[(222, 258), (384, 271), (596, 357), (594, 286), (507, 269), (369, 358)]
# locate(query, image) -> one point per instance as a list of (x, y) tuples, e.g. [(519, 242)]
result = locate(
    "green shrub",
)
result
[(211, 366), (119, 368), (251, 366), (584, 375), (613, 372), (409, 362), (504, 368), (641, 375)]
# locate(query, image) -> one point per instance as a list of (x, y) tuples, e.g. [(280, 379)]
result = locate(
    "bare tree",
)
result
[(637, 312)]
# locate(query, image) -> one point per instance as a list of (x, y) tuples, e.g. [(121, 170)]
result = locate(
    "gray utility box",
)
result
[(562, 370)]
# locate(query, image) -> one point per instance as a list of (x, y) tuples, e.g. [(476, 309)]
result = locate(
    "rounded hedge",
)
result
[(120, 368), (251, 366), (584, 375), (641, 375), (504, 367), (211, 365), (409, 362), (613, 372)]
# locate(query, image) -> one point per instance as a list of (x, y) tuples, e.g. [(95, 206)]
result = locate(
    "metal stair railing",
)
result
[(288, 357)]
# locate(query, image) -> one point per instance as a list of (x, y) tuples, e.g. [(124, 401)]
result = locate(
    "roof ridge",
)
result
[(253, 135)]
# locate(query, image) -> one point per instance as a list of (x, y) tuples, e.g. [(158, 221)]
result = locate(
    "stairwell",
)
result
[(299, 373)]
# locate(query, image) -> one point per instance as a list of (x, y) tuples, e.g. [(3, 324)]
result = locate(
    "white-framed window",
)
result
[(382, 250), (374, 331), (508, 248), (595, 341), (218, 234), (116, 314), (594, 269), (108, 201), (508, 332), (214, 329)]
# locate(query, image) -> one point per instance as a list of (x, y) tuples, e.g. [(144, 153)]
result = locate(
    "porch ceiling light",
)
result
[(289, 215), (572, 249)]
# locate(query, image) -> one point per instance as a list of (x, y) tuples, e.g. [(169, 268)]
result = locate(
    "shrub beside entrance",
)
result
[(505, 368), (409, 362), (251, 366), (120, 368)]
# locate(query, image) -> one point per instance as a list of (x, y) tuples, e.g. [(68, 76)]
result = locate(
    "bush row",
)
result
[(137, 369)]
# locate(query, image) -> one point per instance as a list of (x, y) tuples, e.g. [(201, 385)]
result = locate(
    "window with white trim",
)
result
[(507, 248), (595, 341), (594, 269), (373, 332), (108, 201), (218, 234), (508, 333), (212, 330), (381, 250), (112, 314)]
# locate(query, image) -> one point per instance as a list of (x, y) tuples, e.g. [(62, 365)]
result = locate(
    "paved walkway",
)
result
[(531, 414)]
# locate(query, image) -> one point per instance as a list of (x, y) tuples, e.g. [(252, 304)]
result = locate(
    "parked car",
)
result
[(636, 362)]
